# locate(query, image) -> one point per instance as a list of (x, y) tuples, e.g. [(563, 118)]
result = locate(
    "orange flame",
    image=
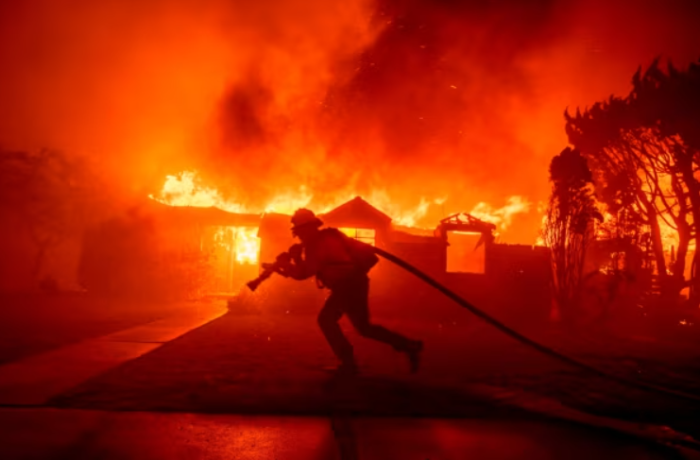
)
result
[(243, 242), (501, 217), (185, 189), (247, 245)]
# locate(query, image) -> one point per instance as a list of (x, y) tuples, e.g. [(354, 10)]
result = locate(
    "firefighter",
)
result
[(341, 264)]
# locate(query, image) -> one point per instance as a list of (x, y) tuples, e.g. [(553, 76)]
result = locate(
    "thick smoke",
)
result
[(417, 99)]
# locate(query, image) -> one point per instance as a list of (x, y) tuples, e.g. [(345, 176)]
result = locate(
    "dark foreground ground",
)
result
[(34, 323), (71, 434), (479, 394)]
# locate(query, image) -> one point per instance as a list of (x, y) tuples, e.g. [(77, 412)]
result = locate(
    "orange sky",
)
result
[(411, 99)]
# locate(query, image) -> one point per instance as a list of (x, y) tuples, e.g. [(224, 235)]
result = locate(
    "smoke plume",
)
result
[(456, 102)]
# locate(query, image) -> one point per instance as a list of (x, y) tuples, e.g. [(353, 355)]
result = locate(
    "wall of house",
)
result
[(514, 283)]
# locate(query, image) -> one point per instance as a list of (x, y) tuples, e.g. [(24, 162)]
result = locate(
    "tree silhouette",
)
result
[(569, 227), (50, 195), (644, 151)]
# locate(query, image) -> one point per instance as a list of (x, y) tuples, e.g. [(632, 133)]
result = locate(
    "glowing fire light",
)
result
[(287, 203), (501, 217), (366, 235), (247, 245), (184, 189), (243, 242)]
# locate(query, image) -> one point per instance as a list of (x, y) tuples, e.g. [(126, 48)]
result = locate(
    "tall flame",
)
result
[(186, 189), (242, 242), (501, 217), (247, 245), (183, 190)]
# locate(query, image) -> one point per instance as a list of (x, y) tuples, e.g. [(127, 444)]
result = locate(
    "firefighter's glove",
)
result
[(296, 251)]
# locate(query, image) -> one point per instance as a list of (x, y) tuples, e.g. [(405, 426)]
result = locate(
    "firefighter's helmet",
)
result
[(303, 217)]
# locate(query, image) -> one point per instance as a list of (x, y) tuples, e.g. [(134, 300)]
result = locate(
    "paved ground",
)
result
[(34, 323), (34, 379), (145, 392), (73, 434), (271, 364)]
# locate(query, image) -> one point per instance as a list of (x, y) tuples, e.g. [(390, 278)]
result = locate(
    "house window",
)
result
[(366, 235), (463, 255), (230, 258)]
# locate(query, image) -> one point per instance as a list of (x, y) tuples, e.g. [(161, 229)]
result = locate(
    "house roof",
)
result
[(356, 213), (466, 222), (398, 236), (201, 215), (273, 222)]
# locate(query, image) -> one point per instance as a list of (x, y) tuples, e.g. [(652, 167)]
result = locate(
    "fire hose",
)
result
[(526, 340), (270, 268)]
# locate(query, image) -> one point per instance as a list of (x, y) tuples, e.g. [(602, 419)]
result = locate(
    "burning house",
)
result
[(222, 250)]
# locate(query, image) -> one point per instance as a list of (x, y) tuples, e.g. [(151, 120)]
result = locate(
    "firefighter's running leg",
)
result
[(328, 319), (357, 309)]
